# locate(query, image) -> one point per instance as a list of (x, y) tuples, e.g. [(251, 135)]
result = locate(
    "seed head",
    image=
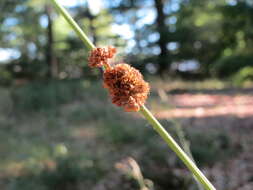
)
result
[(100, 56), (126, 86)]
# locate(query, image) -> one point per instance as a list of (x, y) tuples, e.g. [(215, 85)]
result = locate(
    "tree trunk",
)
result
[(50, 58), (92, 27), (163, 58)]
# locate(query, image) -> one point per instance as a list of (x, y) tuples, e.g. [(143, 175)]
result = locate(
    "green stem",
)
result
[(74, 25), (145, 112), (176, 148)]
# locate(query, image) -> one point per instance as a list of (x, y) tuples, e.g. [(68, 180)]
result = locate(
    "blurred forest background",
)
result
[(58, 129)]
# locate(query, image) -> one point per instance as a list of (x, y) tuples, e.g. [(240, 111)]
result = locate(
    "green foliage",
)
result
[(37, 96), (45, 42), (228, 66), (199, 32), (117, 136), (119, 133), (5, 77), (88, 112), (210, 147), (69, 173), (210, 31), (206, 32), (243, 76)]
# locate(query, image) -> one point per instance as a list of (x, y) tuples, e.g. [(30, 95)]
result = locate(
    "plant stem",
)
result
[(176, 148), (74, 25), (144, 111), (185, 146)]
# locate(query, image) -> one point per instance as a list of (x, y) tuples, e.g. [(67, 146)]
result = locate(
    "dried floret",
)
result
[(100, 56), (126, 86)]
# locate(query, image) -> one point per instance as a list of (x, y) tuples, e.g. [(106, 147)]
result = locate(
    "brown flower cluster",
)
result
[(100, 56), (125, 84), (126, 87)]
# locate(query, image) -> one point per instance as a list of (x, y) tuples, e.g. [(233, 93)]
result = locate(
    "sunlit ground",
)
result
[(207, 105)]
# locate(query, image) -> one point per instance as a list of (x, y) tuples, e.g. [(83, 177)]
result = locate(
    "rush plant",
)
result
[(128, 89)]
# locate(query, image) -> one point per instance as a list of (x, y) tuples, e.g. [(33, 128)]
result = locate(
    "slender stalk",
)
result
[(186, 147), (144, 111), (176, 148), (74, 25)]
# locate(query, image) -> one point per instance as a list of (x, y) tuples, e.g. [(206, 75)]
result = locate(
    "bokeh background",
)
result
[(58, 129)]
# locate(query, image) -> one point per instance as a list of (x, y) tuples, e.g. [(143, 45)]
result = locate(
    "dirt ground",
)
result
[(218, 124)]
